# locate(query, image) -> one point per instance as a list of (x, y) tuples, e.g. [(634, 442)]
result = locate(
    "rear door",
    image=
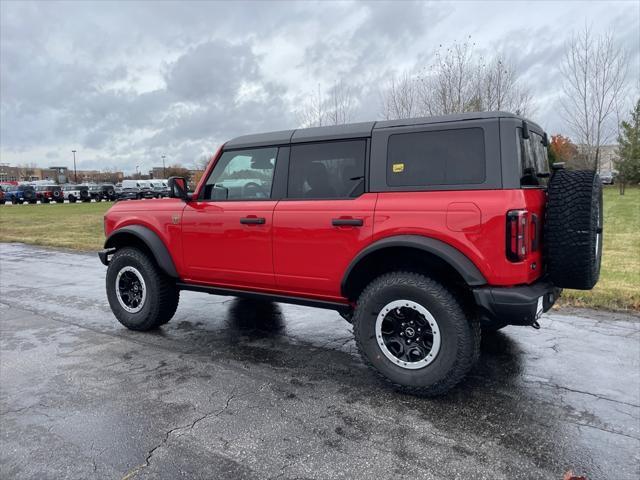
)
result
[(227, 230), (325, 219)]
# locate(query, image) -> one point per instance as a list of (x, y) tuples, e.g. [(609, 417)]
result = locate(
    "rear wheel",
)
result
[(44, 200), (414, 333), (141, 296)]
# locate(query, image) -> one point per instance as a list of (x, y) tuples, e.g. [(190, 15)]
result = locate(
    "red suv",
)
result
[(421, 232), (49, 193)]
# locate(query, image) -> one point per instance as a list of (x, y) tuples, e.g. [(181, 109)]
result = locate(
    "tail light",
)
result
[(517, 233)]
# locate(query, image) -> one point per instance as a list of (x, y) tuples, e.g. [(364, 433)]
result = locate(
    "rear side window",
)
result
[(444, 157), (327, 170), (533, 159)]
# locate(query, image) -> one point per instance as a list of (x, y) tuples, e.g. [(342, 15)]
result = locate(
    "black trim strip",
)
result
[(309, 302)]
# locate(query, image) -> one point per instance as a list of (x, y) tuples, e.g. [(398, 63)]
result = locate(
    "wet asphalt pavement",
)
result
[(231, 389)]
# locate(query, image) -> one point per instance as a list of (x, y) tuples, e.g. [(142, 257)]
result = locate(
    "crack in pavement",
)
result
[(573, 390), (135, 470)]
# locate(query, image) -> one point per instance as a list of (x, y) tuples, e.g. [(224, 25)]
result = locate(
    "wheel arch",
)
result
[(145, 239), (411, 252)]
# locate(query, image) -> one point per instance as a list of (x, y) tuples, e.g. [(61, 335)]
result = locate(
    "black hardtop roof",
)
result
[(355, 130)]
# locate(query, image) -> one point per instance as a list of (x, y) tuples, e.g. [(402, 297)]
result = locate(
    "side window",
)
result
[(327, 170), (444, 157), (242, 175), (533, 159)]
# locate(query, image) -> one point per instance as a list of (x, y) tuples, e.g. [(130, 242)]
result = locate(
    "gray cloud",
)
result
[(125, 83)]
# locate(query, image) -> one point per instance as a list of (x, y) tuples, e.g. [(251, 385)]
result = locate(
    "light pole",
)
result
[(75, 173), (164, 170)]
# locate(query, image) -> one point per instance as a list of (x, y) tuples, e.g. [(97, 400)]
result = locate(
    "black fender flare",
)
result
[(451, 255), (147, 236)]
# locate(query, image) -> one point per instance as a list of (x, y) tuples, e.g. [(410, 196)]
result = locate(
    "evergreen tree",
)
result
[(628, 164)]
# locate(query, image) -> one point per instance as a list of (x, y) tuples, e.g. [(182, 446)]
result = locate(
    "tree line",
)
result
[(595, 88)]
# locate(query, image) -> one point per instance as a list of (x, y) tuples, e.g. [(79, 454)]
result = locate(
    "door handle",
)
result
[(347, 222), (252, 220)]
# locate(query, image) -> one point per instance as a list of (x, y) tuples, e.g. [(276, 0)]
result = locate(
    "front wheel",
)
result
[(141, 296), (414, 333)]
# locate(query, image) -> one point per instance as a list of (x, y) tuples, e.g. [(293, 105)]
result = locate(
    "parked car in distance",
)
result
[(108, 191), (160, 188), (49, 193), (20, 194), (76, 193), (129, 193), (607, 178), (423, 233)]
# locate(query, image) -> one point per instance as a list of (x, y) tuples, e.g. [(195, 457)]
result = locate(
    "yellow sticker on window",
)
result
[(398, 167)]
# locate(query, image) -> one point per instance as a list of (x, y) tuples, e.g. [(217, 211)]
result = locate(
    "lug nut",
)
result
[(402, 334)]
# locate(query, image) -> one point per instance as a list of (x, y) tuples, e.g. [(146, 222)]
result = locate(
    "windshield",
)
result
[(533, 159)]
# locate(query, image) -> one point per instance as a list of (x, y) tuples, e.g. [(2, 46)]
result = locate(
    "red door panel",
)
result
[(229, 243), (310, 253)]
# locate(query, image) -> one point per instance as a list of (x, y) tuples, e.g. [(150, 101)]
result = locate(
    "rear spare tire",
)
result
[(573, 229)]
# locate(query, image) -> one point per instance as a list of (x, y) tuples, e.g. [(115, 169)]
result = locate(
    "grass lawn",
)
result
[(619, 285), (79, 226), (70, 225)]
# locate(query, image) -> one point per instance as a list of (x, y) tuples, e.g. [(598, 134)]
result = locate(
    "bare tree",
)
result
[(313, 112), (450, 84), (594, 71), (400, 98), (335, 109), (458, 81), (500, 90), (26, 171)]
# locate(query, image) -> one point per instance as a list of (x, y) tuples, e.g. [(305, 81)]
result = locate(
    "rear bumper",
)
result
[(515, 305)]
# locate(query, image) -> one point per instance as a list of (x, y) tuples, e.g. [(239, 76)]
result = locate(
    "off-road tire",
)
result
[(459, 334), (162, 294), (72, 199), (573, 229), (44, 200)]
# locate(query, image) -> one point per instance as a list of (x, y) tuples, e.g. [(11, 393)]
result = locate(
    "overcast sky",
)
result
[(124, 82)]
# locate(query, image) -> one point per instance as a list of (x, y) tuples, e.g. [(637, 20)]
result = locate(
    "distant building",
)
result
[(607, 159), (157, 172), (55, 174)]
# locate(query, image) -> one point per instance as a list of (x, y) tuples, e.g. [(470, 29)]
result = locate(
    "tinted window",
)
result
[(242, 175), (327, 170), (533, 159), (446, 157)]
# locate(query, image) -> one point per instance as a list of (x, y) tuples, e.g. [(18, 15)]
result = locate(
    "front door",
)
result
[(227, 230), (326, 218)]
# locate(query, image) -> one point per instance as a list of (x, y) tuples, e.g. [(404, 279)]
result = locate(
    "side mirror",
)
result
[(178, 188), (525, 130)]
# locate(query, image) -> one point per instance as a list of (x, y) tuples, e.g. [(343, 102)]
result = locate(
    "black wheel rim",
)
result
[(131, 289), (407, 334)]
